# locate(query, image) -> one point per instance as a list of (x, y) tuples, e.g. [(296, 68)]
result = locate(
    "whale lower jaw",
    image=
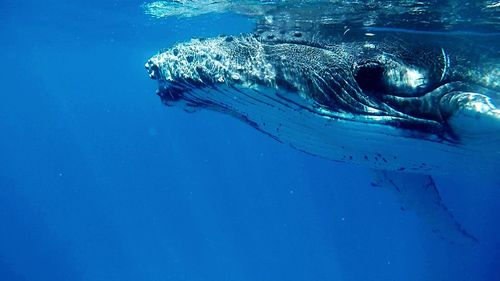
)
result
[(368, 141)]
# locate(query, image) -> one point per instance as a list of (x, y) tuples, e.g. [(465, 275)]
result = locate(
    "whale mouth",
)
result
[(153, 69), (170, 91)]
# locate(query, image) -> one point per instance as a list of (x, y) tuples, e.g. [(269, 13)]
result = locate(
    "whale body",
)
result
[(406, 107), (346, 101)]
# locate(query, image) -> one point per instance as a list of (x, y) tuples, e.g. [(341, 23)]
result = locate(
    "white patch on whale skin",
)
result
[(475, 119), (406, 79)]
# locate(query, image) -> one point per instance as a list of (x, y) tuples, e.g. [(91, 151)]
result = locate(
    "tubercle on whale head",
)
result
[(206, 63)]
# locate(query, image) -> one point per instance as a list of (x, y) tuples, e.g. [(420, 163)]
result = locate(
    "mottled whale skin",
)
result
[(395, 105)]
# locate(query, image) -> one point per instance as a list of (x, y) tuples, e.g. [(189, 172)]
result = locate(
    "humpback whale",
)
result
[(407, 106)]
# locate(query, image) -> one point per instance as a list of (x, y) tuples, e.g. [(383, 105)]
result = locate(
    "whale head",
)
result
[(247, 62), (188, 71)]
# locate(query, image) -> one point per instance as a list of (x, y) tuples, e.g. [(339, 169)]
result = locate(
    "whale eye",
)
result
[(370, 77)]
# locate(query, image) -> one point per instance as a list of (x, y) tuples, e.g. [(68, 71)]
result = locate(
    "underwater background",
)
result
[(100, 181)]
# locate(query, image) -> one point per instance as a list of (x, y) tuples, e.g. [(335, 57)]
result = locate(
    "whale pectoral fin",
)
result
[(419, 193), (473, 117)]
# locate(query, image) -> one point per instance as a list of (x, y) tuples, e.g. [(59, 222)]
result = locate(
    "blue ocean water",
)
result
[(100, 181)]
